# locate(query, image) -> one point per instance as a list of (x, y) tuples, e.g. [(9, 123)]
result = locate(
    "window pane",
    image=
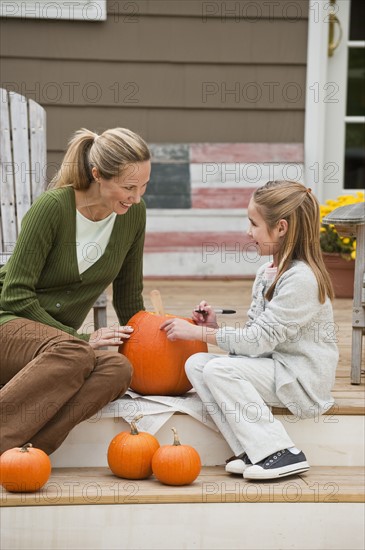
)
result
[(355, 156), (357, 18), (356, 82)]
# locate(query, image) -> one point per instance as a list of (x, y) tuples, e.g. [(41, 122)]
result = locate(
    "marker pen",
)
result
[(216, 310)]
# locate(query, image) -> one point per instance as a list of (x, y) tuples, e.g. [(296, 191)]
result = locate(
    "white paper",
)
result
[(157, 409)]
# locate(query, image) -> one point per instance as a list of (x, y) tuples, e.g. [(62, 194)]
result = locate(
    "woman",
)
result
[(84, 233)]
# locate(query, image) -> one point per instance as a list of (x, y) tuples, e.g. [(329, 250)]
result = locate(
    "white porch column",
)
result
[(314, 132)]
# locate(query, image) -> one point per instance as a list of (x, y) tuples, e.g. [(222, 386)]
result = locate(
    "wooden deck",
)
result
[(85, 486), (180, 296), (324, 484)]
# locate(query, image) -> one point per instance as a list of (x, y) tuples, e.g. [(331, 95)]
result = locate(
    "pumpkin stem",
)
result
[(134, 430), (25, 448), (176, 437)]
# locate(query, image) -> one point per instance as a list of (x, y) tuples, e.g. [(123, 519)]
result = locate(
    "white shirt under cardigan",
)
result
[(298, 332), (92, 239)]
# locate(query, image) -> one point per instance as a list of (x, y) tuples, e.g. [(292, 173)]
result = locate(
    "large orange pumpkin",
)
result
[(130, 453), (158, 364), (176, 464), (24, 469)]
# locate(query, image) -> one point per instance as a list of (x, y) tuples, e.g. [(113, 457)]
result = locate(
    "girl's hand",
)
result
[(109, 336), (179, 329), (208, 318)]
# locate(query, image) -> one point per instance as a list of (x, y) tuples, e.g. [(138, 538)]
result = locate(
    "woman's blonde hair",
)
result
[(295, 203), (110, 153)]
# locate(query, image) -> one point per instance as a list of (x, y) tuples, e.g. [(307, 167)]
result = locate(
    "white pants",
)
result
[(237, 393)]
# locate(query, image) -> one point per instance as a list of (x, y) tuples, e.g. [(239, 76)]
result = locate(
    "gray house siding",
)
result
[(174, 71)]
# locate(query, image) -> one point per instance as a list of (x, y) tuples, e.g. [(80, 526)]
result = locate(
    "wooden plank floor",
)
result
[(84, 486), (321, 484), (180, 296)]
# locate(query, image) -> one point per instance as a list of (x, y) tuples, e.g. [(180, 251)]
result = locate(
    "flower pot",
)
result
[(342, 274)]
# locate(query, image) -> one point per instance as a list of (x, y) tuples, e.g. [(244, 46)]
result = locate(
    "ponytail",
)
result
[(110, 153)]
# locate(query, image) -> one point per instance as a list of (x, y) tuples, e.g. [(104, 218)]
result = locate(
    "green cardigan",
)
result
[(41, 280)]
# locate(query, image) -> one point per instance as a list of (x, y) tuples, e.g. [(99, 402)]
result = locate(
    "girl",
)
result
[(285, 355), (84, 233)]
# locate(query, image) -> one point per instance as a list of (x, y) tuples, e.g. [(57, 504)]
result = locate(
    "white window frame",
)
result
[(71, 10), (326, 94)]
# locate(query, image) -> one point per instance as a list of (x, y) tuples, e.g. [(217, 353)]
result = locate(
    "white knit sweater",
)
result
[(298, 332)]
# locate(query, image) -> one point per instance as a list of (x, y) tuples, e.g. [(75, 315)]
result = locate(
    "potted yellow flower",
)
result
[(339, 251)]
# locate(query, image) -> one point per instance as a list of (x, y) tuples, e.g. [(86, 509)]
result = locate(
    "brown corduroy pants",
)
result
[(52, 381)]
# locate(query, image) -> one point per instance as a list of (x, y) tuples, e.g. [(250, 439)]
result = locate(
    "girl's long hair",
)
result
[(295, 203), (110, 153)]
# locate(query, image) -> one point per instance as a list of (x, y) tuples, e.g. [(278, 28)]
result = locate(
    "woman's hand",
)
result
[(179, 329), (109, 336), (206, 319)]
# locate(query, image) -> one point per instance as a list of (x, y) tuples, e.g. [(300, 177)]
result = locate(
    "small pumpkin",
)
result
[(130, 453), (158, 364), (24, 469), (176, 464)]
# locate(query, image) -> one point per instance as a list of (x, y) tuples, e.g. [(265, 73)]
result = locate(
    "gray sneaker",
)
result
[(280, 464), (238, 464)]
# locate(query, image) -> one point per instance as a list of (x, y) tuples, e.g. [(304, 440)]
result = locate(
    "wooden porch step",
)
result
[(333, 438), (329, 439), (87, 486), (218, 511)]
